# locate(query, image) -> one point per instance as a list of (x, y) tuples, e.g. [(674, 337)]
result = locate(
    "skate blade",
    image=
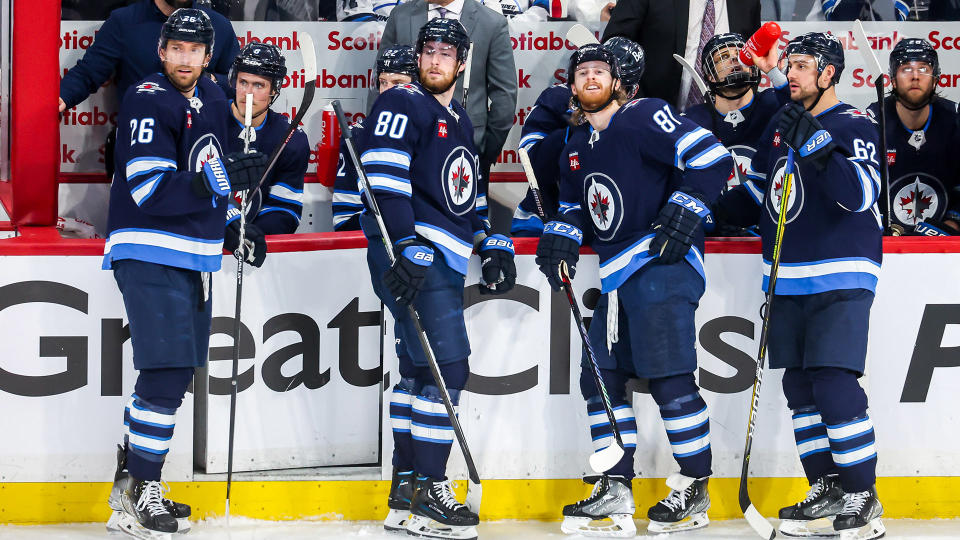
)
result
[(618, 526), (693, 521), (183, 525), (815, 528), (396, 521), (427, 528), (874, 529), (127, 524)]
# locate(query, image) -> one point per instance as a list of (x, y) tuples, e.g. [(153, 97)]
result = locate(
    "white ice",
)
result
[(248, 529)]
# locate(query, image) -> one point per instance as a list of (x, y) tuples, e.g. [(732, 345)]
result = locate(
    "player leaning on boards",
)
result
[(922, 139), (396, 65), (166, 215), (276, 207), (637, 183), (422, 166), (830, 260)]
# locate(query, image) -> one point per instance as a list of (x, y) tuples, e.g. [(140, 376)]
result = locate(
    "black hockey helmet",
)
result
[(726, 48), (631, 61), (914, 50), (398, 59), (823, 46), (448, 31), (589, 53), (261, 59), (188, 24)]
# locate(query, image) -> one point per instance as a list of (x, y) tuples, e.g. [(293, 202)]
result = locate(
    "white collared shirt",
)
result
[(694, 24), (454, 9)]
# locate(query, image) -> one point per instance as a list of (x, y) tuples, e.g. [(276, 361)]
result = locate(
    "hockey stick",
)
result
[(474, 491), (580, 36), (605, 459), (240, 254), (759, 523), (309, 55), (466, 76), (874, 68)]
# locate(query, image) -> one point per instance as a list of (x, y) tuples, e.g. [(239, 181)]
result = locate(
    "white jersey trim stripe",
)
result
[(163, 240), (814, 269)]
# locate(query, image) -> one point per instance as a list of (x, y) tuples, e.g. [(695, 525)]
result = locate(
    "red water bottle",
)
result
[(760, 42), (328, 148)]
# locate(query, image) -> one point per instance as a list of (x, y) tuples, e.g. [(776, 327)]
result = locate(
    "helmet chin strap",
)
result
[(923, 105), (735, 96), (600, 108)]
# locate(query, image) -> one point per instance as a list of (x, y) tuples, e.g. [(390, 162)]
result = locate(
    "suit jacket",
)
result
[(493, 74), (660, 27)]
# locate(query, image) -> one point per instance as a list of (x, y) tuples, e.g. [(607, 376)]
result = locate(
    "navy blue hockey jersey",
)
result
[(347, 204), (163, 140), (544, 135), (421, 161), (740, 130), (277, 206), (615, 182), (923, 165), (832, 238)]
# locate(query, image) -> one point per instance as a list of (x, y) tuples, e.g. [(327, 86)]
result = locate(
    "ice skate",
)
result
[(813, 516), (860, 517), (607, 512), (435, 512), (401, 493), (684, 509), (121, 481), (143, 514)]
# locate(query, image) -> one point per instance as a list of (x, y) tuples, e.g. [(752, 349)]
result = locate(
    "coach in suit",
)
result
[(667, 27), (493, 75)]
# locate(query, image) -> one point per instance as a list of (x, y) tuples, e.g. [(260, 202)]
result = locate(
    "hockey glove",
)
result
[(930, 227), (233, 172), (805, 134), (498, 273), (676, 226), (560, 242), (405, 278), (255, 245)]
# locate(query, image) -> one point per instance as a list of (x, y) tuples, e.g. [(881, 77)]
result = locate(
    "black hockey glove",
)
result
[(233, 172), (676, 226), (498, 273), (255, 246), (805, 134), (405, 278), (560, 242)]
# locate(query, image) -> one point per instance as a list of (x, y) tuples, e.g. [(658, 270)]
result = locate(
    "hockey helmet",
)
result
[(914, 50), (726, 48), (188, 24), (822, 46), (400, 59), (589, 53), (448, 31), (631, 62), (261, 59)]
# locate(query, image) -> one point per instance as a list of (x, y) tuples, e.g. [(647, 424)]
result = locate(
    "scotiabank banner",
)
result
[(312, 390), (345, 62)]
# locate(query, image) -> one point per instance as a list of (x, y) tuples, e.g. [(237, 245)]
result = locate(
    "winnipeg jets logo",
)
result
[(149, 88), (917, 197), (205, 149), (775, 193), (459, 180), (604, 204), (409, 88), (742, 161), (857, 113)]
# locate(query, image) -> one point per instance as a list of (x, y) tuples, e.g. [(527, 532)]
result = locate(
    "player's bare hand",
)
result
[(606, 11), (63, 106)]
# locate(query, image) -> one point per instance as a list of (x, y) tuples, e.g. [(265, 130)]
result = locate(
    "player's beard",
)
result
[(437, 87), (904, 97), (177, 4), (593, 101), (181, 82)]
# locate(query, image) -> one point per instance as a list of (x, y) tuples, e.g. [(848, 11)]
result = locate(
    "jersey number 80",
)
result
[(392, 124)]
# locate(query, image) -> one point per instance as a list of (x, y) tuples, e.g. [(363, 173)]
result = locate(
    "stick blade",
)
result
[(759, 523), (309, 55), (579, 35), (605, 459), (869, 58), (474, 494)]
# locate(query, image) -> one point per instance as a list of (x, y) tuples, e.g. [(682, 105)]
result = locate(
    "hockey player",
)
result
[(829, 264), (276, 207), (545, 132), (166, 215), (422, 165), (397, 65), (637, 184), (922, 136)]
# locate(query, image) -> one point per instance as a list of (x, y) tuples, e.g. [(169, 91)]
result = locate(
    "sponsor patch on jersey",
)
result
[(917, 197), (205, 149), (604, 203), (459, 180), (574, 161), (776, 139), (442, 129), (775, 193), (892, 157), (149, 88)]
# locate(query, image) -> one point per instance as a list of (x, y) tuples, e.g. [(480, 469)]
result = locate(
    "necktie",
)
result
[(706, 32), (443, 12)]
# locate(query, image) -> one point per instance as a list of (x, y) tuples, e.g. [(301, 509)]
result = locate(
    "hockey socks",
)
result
[(149, 431), (854, 453), (431, 432), (602, 433), (401, 412), (687, 423), (812, 444)]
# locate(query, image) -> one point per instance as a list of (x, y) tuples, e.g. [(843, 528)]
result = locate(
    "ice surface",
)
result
[(249, 529)]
